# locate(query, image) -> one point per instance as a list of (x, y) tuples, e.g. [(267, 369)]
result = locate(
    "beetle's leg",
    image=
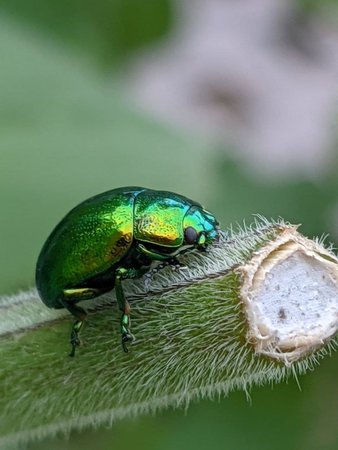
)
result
[(80, 314), (154, 256), (124, 306), (68, 302), (166, 260)]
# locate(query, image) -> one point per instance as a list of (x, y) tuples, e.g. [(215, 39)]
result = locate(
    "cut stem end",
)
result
[(290, 297)]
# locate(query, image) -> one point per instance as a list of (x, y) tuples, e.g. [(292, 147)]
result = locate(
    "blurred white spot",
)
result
[(252, 74)]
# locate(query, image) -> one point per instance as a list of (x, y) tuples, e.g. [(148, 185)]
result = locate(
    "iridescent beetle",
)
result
[(113, 236)]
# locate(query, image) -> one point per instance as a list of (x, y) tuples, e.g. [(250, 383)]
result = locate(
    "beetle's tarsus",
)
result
[(74, 344), (127, 338), (74, 337), (125, 348), (175, 264)]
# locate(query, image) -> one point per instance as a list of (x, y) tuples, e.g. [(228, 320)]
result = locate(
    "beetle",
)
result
[(113, 236)]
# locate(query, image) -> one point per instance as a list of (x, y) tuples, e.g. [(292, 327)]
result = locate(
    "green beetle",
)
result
[(113, 236)]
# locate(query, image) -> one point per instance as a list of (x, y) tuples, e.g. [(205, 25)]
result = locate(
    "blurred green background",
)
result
[(68, 132)]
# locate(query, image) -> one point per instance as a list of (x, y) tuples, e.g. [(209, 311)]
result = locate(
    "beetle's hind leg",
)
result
[(80, 314), (70, 296)]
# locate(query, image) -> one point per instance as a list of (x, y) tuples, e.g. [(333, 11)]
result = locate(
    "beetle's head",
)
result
[(200, 228)]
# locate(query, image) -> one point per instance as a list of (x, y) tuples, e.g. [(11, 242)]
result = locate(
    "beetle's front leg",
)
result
[(156, 256), (166, 260)]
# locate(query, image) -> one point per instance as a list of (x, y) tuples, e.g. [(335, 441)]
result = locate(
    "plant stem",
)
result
[(198, 334)]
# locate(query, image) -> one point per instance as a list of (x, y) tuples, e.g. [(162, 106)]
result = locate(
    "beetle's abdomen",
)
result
[(158, 217), (90, 240)]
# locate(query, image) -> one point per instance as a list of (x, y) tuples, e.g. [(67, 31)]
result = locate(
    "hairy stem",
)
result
[(247, 312)]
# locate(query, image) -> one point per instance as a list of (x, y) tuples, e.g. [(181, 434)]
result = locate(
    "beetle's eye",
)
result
[(190, 235)]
